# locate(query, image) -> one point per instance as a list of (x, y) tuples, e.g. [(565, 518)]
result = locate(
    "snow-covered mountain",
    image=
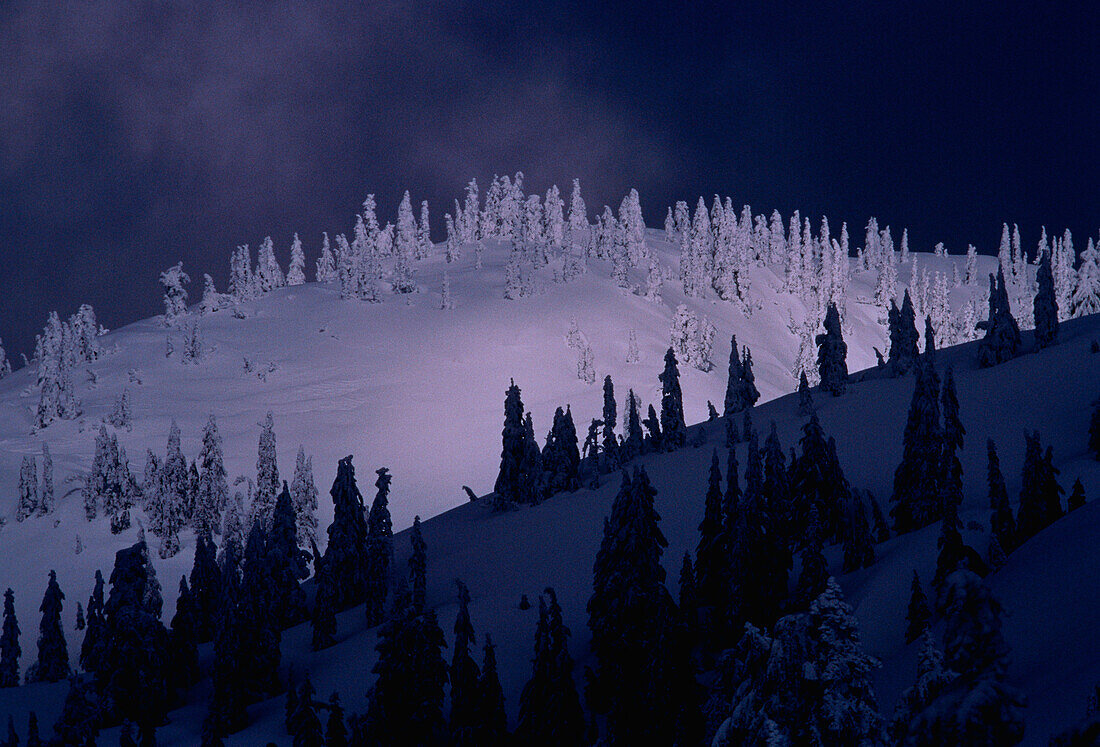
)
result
[(419, 389)]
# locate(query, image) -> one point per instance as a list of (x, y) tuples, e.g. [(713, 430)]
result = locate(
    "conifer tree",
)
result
[(45, 494), (464, 675), (303, 724), (950, 478), (260, 617), (515, 483), (347, 538), (325, 271), (634, 438), (805, 398), (323, 620), (267, 474), (303, 494), (172, 281), (286, 565), (815, 570), (1002, 523), (336, 731), (1045, 305), (134, 669), (916, 496), (859, 544), (492, 721), (1076, 496), (560, 456), (752, 394), (268, 273), (212, 492), (168, 507), (379, 550), (204, 588), (418, 567), (847, 712), (182, 641), (10, 650), (919, 615), (53, 655), (1002, 333), (817, 480), (78, 724), (91, 650), (832, 353), (1086, 291), (673, 428), (735, 399), (226, 713), (712, 572), (964, 699), (689, 599), (903, 337), (549, 709), (640, 681), (1040, 493), (610, 447), (28, 490), (405, 705), (296, 274)]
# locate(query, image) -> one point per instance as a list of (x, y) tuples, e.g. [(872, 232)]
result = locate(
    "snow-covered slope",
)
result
[(1048, 586), (402, 384)]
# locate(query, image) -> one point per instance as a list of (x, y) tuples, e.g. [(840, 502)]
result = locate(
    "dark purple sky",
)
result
[(136, 134)]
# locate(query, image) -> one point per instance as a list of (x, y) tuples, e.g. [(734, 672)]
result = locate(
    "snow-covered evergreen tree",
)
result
[(268, 273), (168, 509), (303, 493), (242, 286), (45, 493), (379, 554), (173, 281), (423, 233), (1045, 303), (965, 699), (673, 428), (345, 556), (1086, 291), (832, 353), (916, 492), (5, 364), (53, 655), (325, 271), (296, 273), (466, 219), (519, 462), (451, 251), (1002, 333), (27, 504), (848, 713), (267, 473), (211, 299), (212, 492), (577, 229)]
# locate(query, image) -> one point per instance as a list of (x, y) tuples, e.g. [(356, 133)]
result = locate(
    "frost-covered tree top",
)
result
[(173, 281)]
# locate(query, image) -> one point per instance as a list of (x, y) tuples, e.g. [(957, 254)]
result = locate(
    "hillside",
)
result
[(502, 556), (401, 384)]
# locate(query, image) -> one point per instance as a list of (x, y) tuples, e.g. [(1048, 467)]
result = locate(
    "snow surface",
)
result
[(420, 390)]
